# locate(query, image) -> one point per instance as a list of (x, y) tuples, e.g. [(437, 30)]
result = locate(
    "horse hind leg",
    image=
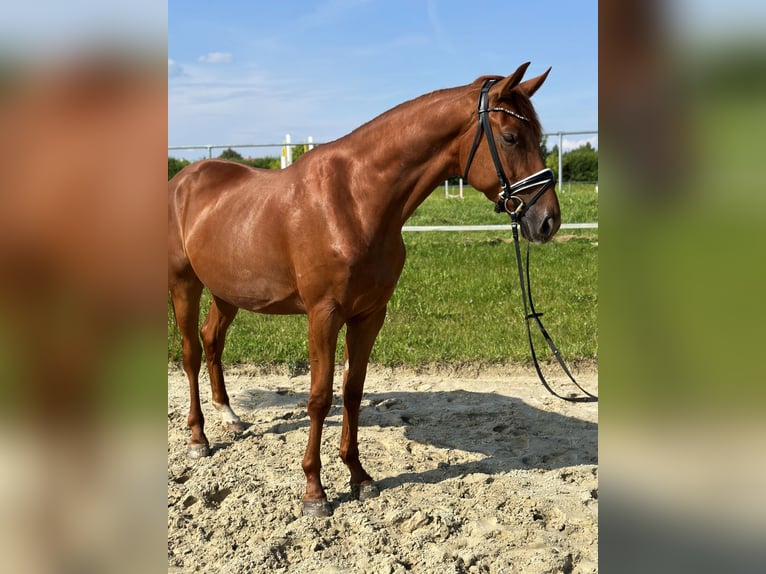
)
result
[(185, 293), (213, 334)]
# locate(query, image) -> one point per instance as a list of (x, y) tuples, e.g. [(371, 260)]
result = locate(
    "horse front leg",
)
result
[(360, 337), (324, 325)]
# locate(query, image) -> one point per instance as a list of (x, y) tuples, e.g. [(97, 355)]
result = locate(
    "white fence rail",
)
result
[(488, 227)]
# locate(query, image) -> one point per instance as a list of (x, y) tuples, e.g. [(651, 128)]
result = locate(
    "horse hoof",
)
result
[(318, 508), (364, 491), (235, 427), (195, 451)]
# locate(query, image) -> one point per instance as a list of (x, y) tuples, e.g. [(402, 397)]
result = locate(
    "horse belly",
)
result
[(263, 290), (246, 274), (287, 305)]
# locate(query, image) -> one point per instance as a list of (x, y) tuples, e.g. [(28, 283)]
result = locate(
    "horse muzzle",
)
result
[(540, 228), (518, 201)]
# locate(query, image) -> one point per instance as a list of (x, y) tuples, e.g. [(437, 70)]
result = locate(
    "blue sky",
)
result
[(249, 72)]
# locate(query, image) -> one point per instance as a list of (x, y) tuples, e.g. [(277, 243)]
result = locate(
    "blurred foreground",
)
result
[(82, 366), (682, 277)]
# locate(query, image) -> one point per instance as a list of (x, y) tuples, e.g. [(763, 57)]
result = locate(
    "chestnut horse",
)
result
[(323, 237)]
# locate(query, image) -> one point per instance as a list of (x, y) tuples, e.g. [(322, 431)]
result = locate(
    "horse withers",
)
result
[(323, 238)]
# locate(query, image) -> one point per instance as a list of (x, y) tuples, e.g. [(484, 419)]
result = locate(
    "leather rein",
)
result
[(511, 193)]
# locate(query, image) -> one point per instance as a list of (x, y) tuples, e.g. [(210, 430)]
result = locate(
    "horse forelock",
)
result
[(518, 102), (521, 104), (481, 79)]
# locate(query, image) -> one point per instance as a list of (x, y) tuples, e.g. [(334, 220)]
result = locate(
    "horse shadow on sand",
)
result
[(498, 433)]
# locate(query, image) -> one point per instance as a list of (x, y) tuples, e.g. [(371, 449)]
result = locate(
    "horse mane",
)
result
[(517, 101), (403, 106)]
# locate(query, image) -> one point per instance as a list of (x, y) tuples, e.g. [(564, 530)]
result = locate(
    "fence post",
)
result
[(287, 152), (561, 151)]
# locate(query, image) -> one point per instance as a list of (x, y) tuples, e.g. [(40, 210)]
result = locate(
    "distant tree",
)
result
[(544, 147), (552, 160), (581, 164), (175, 165), (263, 162), (230, 154), (299, 150)]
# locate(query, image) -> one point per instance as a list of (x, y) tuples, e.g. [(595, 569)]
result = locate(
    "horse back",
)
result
[(199, 186), (204, 179), (226, 226)]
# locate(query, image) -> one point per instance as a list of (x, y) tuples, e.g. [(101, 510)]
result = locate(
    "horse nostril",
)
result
[(546, 227)]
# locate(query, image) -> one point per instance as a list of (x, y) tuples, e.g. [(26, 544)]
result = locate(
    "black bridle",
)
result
[(543, 180)]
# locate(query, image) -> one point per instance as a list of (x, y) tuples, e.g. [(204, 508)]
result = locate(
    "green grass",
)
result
[(458, 299)]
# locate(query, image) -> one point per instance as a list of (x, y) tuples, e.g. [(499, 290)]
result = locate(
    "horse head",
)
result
[(505, 159)]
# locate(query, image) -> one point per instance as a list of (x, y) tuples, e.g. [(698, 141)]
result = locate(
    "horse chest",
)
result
[(376, 271)]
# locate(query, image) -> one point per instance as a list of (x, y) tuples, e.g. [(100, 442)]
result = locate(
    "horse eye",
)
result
[(509, 138)]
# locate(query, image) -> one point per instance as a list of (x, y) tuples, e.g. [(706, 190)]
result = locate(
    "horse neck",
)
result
[(411, 149)]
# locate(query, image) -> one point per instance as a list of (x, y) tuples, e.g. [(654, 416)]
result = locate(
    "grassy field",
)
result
[(458, 299)]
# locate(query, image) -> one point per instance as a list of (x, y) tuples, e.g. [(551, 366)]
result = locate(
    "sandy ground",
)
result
[(478, 472)]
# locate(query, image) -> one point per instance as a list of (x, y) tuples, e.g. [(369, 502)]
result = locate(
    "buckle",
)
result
[(501, 206)]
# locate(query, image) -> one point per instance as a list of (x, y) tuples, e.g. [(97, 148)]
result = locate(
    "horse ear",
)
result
[(531, 86), (510, 82)]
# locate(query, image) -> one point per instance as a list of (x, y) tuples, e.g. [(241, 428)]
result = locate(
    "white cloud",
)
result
[(175, 70), (215, 58)]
